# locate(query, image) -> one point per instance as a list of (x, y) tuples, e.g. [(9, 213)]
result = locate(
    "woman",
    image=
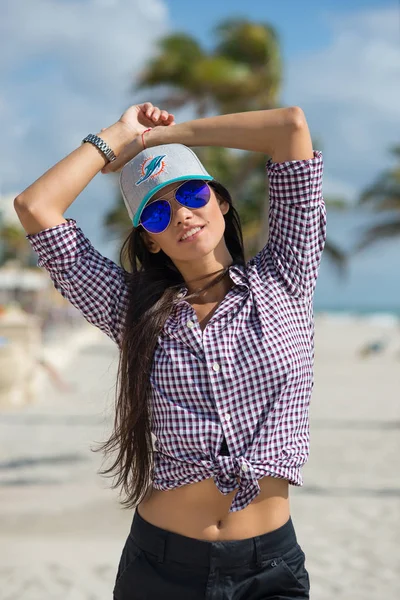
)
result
[(216, 355)]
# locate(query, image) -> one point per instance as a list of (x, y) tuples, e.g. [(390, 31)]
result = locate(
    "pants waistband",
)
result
[(166, 545)]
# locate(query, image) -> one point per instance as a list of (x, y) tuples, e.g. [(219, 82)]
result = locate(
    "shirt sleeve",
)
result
[(297, 225), (94, 284)]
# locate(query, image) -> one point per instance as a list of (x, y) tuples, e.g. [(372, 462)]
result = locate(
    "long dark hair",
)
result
[(153, 282)]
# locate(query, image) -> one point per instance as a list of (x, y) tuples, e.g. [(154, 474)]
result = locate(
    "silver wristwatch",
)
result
[(101, 145)]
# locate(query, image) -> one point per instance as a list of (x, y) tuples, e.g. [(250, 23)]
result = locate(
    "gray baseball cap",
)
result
[(153, 169)]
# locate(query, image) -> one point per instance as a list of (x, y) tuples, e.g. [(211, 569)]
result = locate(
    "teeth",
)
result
[(191, 232)]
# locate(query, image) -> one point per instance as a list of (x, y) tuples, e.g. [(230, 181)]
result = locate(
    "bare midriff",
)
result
[(201, 511)]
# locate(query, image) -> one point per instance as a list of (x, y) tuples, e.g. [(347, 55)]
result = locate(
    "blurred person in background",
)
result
[(216, 354), (54, 375)]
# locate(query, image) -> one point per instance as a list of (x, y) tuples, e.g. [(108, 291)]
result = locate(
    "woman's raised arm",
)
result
[(281, 133), (44, 202)]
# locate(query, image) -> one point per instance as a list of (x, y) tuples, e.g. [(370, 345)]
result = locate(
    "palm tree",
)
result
[(15, 245), (242, 72), (383, 195)]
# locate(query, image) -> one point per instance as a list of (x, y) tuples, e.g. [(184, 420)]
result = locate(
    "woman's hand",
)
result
[(137, 119), (140, 117)]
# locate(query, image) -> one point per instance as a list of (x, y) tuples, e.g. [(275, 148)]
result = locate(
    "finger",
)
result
[(149, 110), (165, 118), (155, 117), (146, 106), (169, 121)]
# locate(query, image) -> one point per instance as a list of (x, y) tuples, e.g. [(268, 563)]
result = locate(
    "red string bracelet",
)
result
[(145, 131)]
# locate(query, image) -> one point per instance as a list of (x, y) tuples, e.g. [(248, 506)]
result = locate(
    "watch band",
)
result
[(101, 145)]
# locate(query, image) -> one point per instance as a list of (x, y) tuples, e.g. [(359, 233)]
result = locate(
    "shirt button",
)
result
[(216, 367), (244, 468), (227, 417), (190, 324)]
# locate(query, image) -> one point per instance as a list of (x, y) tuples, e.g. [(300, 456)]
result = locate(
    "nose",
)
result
[(180, 213)]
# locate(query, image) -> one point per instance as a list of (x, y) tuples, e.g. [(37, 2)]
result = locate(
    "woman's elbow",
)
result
[(296, 116), (20, 204)]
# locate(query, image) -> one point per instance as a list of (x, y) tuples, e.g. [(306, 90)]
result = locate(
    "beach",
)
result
[(63, 530)]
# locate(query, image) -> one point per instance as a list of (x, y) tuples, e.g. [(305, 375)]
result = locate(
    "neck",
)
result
[(198, 275), (216, 293)]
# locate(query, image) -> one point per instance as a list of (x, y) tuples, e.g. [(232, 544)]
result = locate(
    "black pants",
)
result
[(159, 565)]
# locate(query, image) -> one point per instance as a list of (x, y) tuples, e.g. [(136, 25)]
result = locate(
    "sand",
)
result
[(62, 529)]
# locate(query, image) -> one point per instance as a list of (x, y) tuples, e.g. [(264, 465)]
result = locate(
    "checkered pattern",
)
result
[(249, 375)]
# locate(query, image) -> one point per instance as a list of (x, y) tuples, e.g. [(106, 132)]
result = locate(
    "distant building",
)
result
[(30, 288)]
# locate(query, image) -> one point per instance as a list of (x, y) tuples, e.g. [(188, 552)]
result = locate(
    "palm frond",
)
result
[(383, 231), (338, 259), (174, 62), (384, 193), (247, 42)]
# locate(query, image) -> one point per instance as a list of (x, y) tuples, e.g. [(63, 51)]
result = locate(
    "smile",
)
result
[(192, 234)]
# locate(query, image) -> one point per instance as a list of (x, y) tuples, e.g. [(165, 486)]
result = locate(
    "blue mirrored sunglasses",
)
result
[(157, 215)]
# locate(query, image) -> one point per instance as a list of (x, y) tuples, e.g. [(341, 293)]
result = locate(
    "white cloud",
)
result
[(337, 188), (8, 216), (97, 41), (67, 69), (350, 92)]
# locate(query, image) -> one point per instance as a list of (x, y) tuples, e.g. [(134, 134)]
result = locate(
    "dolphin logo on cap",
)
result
[(152, 168)]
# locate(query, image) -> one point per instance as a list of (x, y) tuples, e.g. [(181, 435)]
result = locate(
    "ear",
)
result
[(150, 244), (224, 206)]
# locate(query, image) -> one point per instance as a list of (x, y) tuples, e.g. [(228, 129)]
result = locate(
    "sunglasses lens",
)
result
[(193, 194), (156, 216)]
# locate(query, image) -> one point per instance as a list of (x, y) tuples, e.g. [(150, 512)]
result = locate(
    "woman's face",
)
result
[(210, 217)]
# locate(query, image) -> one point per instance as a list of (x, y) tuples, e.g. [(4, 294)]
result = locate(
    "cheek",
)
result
[(216, 220), (167, 243), (212, 213)]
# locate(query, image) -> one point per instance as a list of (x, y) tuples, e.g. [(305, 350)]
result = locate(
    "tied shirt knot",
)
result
[(231, 472)]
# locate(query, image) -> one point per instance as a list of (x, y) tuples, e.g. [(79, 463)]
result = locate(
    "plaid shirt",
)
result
[(248, 377)]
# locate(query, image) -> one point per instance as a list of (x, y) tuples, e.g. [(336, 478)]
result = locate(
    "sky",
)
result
[(68, 67)]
